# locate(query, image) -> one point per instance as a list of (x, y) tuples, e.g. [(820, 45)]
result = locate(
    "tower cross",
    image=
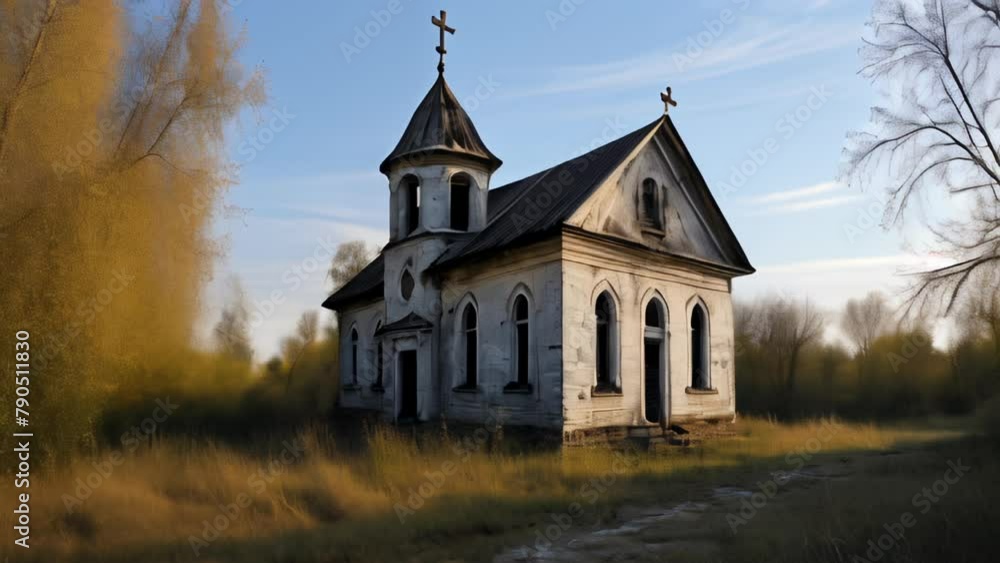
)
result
[(668, 100), (442, 24)]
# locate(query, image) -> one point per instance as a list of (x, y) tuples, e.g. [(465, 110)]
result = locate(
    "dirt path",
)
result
[(675, 530)]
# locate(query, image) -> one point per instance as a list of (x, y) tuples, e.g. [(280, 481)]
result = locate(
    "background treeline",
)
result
[(889, 368)]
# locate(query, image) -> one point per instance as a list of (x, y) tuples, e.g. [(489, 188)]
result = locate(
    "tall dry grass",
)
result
[(307, 492)]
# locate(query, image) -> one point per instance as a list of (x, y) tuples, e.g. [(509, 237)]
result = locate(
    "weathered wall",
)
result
[(364, 318), (614, 208), (492, 286), (634, 277), (435, 197)]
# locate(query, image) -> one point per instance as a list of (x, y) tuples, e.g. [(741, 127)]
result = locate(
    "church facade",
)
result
[(595, 294)]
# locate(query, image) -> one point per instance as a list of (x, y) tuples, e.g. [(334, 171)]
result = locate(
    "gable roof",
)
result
[(440, 126), (410, 322), (537, 207)]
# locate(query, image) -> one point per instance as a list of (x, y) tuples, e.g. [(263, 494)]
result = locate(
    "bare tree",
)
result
[(981, 310), (232, 332), (350, 259), (938, 138), (864, 320), (295, 346), (804, 324), (782, 327)]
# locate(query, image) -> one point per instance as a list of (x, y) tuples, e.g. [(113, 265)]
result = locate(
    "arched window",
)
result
[(607, 344), (354, 356), (651, 211), (469, 326), (654, 364), (379, 358), (461, 186), (411, 200), (521, 342), (699, 348)]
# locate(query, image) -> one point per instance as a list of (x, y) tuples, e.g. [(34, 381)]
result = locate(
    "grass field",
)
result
[(306, 499)]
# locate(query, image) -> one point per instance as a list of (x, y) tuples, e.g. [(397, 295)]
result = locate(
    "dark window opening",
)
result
[(699, 348), (408, 385), (652, 211), (379, 369), (461, 186), (411, 195), (354, 356), (653, 364), (604, 310), (406, 284), (471, 348), (521, 340), (653, 317)]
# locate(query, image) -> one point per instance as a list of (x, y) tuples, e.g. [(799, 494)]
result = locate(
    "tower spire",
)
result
[(442, 24)]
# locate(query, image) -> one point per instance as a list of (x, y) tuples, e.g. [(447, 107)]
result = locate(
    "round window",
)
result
[(406, 285)]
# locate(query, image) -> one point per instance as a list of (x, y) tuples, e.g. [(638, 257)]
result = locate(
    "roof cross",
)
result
[(442, 24), (668, 100)]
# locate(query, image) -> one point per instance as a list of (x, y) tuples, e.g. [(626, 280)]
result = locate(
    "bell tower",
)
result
[(439, 175)]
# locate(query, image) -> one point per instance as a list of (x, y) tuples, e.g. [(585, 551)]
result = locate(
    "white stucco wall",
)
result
[(364, 318), (492, 286), (633, 279)]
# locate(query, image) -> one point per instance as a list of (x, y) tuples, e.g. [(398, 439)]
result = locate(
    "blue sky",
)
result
[(767, 91)]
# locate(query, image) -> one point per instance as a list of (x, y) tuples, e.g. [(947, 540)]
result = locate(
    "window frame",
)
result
[(651, 218), (411, 190), (520, 346), (466, 332), (704, 345), (611, 385), (457, 182), (354, 339)]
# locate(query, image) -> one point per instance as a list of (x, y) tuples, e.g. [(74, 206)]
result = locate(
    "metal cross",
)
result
[(668, 101), (443, 26)]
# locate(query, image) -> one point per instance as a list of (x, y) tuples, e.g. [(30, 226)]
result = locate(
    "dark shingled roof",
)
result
[(536, 207), (440, 126)]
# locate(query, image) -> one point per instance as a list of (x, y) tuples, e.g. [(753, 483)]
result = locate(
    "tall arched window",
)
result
[(379, 358), (654, 367), (607, 343), (699, 348), (521, 342), (354, 356), (461, 186), (651, 211), (411, 201), (471, 342)]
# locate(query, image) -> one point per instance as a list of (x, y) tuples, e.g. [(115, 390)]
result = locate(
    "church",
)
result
[(595, 295)]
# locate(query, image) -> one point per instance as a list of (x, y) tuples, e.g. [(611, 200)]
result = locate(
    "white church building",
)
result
[(596, 294)]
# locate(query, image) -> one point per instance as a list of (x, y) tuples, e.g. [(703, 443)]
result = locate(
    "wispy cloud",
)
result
[(862, 263), (743, 50), (797, 193), (799, 200), (799, 207)]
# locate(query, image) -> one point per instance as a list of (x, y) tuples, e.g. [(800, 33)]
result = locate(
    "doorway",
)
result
[(408, 385), (654, 369), (652, 375)]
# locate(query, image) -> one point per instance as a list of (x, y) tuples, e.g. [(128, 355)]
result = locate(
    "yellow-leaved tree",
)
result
[(112, 164)]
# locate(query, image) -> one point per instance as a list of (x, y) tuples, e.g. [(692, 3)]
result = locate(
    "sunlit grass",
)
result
[(164, 494)]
